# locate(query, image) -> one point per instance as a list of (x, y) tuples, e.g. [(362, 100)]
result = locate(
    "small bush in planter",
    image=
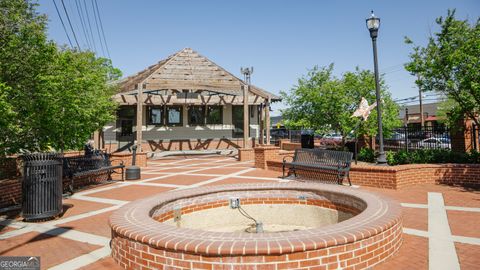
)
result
[(367, 155), (422, 156)]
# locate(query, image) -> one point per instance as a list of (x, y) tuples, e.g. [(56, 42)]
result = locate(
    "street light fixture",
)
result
[(373, 24)]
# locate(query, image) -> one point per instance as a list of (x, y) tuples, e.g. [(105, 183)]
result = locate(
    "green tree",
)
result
[(77, 98), (52, 97), (25, 53), (8, 129), (325, 103), (450, 64)]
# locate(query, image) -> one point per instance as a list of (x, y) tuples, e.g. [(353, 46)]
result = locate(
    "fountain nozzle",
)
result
[(259, 227)]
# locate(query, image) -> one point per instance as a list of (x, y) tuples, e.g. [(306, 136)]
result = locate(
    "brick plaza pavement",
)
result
[(441, 223)]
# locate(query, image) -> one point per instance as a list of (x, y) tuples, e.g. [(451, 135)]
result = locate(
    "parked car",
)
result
[(279, 133), (396, 140), (333, 136), (442, 143), (330, 140), (398, 136)]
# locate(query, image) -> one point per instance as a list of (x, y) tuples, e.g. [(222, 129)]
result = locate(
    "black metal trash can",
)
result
[(307, 141), (42, 186)]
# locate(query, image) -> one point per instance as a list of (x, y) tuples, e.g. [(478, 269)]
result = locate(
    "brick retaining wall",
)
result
[(11, 188), (401, 176), (11, 192), (246, 154), (126, 158)]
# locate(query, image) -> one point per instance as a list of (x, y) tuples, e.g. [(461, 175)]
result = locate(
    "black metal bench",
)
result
[(335, 163), (93, 164)]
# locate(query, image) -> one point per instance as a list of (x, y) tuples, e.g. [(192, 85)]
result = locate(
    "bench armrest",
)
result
[(115, 159), (285, 159)]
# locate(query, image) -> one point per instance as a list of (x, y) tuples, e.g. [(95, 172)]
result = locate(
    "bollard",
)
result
[(133, 172)]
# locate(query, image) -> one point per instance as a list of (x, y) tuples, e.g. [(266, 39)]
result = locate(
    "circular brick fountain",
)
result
[(305, 225)]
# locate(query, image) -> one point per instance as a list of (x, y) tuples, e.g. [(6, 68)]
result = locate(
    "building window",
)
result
[(196, 115), (155, 115), (214, 115), (237, 121), (174, 115)]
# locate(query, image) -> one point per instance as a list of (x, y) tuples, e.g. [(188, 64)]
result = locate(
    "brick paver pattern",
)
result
[(79, 238)]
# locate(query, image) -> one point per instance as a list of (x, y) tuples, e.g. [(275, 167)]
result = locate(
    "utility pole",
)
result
[(422, 121)]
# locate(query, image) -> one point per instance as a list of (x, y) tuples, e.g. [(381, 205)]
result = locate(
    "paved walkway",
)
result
[(441, 223)]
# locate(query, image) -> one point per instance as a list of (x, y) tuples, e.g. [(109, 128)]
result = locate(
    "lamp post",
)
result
[(247, 72), (373, 23)]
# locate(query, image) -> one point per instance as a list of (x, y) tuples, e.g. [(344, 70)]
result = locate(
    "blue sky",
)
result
[(280, 39)]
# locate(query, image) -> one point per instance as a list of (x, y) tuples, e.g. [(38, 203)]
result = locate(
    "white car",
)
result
[(442, 143), (334, 136)]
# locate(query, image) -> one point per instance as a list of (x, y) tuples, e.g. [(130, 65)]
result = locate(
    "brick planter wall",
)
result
[(289, 146), (264, 153), (245, 154), (10, 185), (401, 176), (372, 236), (11, 192), (126, 158), (8, 168)]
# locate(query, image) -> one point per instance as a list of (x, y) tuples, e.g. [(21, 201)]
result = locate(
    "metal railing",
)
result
[(281, 133), (412, 138), (475, 137)]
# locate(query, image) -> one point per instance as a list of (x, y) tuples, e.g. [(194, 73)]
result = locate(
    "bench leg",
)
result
[(70, 187), (283, 170), (348, 177), (123, 175)]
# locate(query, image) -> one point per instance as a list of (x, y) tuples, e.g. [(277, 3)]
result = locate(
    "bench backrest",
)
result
[(324, 157), (76, 164)]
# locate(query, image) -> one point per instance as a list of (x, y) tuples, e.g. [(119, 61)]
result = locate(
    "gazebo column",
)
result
[(267, 120), (96, 139), (139, 117), (260, 123), (246, 117)]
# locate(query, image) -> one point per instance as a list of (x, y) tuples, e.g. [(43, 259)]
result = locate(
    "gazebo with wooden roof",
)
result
[(187, 78)]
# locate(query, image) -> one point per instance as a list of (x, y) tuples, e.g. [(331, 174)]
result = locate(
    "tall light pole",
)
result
[(373, 23), (247, 72)]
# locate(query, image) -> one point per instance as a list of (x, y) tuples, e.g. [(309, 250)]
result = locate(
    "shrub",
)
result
[(367, 155), (422, 156), (391, 158), (473, 157)]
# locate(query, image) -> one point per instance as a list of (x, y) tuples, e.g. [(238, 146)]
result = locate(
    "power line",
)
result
[(96, 26), (412, 98), (80, 15), (89, 25), (392, 67), (71, 27), (103, 32), (393, 71), (416, 102), (77, 25), (61, 20)]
